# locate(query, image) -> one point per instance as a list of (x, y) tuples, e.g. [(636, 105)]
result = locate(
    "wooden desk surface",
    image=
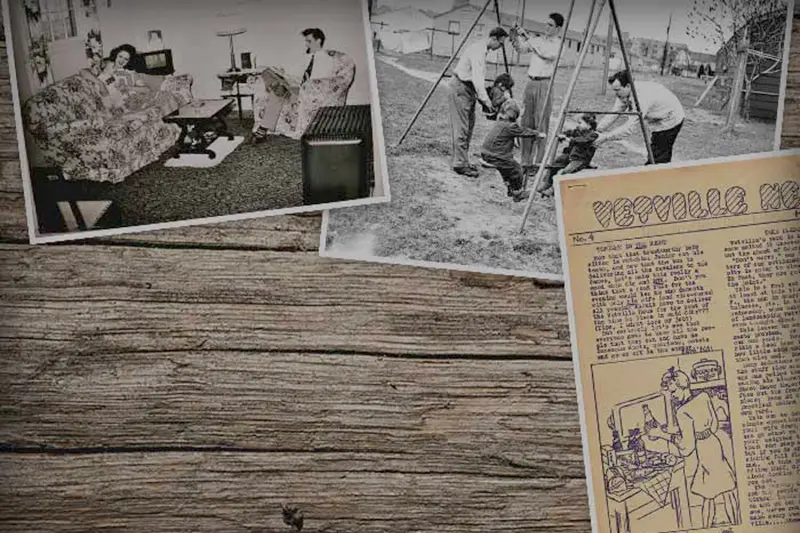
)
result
[(197, 379)]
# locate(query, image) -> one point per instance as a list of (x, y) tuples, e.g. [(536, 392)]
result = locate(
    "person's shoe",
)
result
[(520, 195), (543, 186), (259, 136), (531, 170), (485, 164), (467, 171)]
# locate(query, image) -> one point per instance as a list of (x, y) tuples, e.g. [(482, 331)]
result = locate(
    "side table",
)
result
[(232, 82)]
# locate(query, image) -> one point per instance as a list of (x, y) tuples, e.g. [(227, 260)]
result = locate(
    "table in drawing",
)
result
[(197, 120), (666, 486)]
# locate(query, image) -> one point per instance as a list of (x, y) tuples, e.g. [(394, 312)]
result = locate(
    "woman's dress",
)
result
[(698, 423)]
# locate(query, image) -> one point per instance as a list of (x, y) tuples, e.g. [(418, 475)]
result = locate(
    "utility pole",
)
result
[(666, 45)]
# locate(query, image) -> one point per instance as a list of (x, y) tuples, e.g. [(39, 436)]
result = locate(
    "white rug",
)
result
[(221, 146)]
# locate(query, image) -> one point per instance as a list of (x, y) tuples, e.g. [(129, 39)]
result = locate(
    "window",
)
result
[(58, 19), (454, 27)]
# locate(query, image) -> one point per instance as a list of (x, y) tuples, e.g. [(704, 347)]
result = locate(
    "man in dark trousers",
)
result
[(663, 114), (544, 53), (466, 88)]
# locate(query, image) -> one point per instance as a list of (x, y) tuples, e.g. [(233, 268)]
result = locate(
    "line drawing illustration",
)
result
[(666, 443)]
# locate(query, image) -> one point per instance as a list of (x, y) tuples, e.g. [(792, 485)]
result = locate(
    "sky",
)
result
[(639, 18)]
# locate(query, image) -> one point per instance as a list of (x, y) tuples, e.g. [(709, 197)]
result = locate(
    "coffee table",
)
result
[(197, 119)]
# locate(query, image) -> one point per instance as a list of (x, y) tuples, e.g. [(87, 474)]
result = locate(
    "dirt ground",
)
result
[(438, 216)]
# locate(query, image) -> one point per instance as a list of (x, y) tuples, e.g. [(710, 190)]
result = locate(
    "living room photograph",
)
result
[(142, 114)]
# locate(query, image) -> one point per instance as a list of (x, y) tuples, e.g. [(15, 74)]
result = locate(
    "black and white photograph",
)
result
[(486, 102), (149, 114)]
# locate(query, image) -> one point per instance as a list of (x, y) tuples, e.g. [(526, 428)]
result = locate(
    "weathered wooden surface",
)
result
[(196, 379)]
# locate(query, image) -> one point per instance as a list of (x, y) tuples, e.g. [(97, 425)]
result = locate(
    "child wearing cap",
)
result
[(498, 148)]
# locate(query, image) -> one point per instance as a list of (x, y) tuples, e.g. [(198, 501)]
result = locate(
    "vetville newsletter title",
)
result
[(695, 205)]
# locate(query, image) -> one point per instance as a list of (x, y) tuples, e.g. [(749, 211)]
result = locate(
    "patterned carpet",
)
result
[(252, 178)]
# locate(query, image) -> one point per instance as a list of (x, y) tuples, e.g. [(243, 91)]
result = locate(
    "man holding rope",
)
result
[(544, 52), (467, 87)]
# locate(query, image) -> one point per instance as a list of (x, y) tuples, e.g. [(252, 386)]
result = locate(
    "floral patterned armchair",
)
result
[(301, 101), (80, 132)]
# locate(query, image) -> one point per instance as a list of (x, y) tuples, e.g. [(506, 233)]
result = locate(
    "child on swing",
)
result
[(576, 156), (498, 92), (498, 148)]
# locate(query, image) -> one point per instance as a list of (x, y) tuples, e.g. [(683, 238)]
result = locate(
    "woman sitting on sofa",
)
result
[(120, 78)]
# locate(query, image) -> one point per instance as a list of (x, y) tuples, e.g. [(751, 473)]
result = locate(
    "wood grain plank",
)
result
[(475, 417), (790, 131), (243, 493), (128, 299)]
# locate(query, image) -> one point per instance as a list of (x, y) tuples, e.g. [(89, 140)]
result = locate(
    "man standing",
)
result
[(544, 53), (467, 87), (663, 114)]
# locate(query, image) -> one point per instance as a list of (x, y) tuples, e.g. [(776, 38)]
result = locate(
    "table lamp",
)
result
[(230, 34)]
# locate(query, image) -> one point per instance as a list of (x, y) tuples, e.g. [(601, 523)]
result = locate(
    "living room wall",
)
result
[(273, 34)]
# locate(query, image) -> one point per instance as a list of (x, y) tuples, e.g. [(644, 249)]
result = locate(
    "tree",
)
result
[(735, 27)]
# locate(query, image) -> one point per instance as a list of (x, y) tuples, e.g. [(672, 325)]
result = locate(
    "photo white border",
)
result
[(573, 336), (790, 11), (379, 149)]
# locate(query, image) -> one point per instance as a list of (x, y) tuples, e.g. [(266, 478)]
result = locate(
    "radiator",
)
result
[(338, 160)]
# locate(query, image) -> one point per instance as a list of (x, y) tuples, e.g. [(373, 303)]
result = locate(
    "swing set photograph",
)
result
[(595, 85)]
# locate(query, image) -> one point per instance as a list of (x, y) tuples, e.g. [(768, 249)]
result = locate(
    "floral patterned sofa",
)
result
[(80, 132), (303, 100)]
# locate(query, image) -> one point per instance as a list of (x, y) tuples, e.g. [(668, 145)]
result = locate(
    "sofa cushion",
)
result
[(153, 81)]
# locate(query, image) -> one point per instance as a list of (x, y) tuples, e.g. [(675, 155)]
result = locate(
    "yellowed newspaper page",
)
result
[(683, 286)]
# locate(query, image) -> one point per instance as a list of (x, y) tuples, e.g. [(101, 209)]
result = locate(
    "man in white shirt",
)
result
[(662, 110), (325, 81), (544, 52), (466, 88)]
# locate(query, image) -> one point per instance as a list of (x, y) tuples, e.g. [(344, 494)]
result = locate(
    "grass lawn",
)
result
[(437, 216)]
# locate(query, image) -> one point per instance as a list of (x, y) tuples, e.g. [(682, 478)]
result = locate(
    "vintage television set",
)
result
[(337, 155), (157, 63)]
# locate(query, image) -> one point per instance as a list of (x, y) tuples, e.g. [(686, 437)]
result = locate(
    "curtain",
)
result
[(39, 49)]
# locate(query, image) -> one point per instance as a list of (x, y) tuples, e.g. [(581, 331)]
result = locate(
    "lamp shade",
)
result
[(231, 32)]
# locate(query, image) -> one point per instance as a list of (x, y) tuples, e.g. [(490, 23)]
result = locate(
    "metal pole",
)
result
[(635, 95), (442, 74), (609, 47), (552, 141), (666, 46), (500, 24)]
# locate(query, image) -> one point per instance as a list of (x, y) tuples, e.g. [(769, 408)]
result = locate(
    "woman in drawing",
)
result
[(697, 424)]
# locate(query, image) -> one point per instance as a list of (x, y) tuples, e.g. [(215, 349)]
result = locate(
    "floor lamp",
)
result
[(230, 35)]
